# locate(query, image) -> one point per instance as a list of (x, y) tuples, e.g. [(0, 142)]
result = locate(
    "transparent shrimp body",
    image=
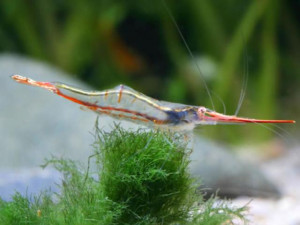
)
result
[(124, 103), (120, 102)]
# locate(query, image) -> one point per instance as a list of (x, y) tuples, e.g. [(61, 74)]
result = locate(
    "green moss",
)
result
[(149, 175), (141, 178)]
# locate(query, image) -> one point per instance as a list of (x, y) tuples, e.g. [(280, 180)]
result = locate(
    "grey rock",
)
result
[(28, 181), (218, 169), (35, 124)]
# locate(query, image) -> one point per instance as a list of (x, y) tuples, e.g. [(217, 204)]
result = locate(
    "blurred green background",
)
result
[(106, 42)]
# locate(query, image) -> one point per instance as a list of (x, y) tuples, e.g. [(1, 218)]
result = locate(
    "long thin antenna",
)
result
[(245, 82), (287, 135), (222, 102), (285, 138), (190, 52)]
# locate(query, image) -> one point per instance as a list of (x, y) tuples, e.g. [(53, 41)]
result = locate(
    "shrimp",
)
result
[(124, 103)]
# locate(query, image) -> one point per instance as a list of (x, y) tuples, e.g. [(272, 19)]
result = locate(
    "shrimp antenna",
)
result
[(222, 102), (190, 52), (284, 137), (245, 81)]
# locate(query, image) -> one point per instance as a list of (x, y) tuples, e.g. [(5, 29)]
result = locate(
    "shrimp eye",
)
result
[(201, 111)]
